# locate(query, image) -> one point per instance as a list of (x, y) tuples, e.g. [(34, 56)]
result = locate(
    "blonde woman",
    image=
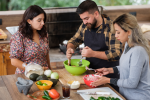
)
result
[(134, 81)]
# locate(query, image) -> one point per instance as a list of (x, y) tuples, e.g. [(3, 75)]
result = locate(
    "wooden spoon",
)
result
[(69, 61)]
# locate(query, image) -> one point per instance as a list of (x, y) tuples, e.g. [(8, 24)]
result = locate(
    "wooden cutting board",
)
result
[(3, 35), (65, 76)]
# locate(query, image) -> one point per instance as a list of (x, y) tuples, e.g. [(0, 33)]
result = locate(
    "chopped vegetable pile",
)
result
[(104, 98), (92, 77)]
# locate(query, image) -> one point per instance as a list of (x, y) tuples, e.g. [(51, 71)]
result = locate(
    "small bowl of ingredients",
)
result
[(44, 84), (88, 79), (74, 84)]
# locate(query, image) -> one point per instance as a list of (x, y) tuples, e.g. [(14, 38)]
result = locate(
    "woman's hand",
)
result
[(102, 71), (102, 80)]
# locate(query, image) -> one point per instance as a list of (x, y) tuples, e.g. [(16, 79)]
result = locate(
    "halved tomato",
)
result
[(53, 94)]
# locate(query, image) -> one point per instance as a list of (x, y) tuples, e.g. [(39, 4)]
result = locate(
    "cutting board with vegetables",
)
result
[(3, 35), (65, 76), (101, 89)]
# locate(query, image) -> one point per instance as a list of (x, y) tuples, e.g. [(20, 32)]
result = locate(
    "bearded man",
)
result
[(101, 49)]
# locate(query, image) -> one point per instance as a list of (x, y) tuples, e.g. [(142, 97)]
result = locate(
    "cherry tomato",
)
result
[(53, 94)]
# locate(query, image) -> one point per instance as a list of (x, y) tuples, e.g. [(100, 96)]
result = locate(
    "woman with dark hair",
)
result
[(134, 81), (30, 43)]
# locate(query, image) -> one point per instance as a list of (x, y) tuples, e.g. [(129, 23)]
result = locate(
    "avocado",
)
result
[(41, 77), (33, 76), (54, 81)]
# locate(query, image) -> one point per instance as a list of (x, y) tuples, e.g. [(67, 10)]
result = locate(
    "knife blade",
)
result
[(94, 93)]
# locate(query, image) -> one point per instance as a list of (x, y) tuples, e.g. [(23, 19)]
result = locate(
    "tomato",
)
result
[(53, 94)]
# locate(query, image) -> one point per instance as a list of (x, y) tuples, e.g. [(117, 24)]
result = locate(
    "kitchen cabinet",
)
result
[(2, 64), (5, 64)]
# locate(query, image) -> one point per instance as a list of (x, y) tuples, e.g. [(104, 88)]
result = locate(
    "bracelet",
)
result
[(24, 65)]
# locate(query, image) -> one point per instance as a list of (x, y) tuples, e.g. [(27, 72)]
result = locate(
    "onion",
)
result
[(48, 72), (54, 75)]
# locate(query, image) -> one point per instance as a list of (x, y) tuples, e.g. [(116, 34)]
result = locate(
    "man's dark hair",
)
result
[(87, 5)]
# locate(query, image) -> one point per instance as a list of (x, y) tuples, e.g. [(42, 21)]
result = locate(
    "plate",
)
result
[(40, 93)]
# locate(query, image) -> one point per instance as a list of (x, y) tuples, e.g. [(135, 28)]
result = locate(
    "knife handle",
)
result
[(103, 93)]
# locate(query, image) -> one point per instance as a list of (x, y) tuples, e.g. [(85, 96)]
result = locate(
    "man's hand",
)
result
[(102, 71), (87, 52), (69, 53)]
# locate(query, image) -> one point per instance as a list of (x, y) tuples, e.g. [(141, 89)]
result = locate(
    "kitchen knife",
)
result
[(94, 93)]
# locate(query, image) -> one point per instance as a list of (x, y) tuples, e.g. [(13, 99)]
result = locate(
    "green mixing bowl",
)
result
[(74, 69)]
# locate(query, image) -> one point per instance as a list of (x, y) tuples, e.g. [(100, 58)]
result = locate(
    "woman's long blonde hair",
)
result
[(129, 22)]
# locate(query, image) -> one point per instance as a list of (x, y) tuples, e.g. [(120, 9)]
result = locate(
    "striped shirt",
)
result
[(114, 46)]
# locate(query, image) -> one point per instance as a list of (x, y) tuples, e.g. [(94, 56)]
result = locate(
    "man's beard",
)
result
[(91, 26)]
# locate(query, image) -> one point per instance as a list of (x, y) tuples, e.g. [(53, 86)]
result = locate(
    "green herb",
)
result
[(32, 96), (92, 98), (104, 98)]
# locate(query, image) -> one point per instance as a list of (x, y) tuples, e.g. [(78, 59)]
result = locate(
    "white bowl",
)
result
[(74, 84)]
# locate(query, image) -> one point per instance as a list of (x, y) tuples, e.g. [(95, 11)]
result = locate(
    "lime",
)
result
[(39, 83), (44, 84)]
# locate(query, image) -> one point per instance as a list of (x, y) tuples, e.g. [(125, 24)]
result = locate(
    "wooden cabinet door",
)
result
[(9, 68), (2, 64)]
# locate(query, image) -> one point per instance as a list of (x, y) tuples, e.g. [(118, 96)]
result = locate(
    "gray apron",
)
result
[(96, 41)]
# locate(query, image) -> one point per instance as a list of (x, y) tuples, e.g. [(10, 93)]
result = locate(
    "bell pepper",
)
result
[(46, 97), (46, 93)]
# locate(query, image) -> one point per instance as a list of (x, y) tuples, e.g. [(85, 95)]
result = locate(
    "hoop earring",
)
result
[(128, 36)]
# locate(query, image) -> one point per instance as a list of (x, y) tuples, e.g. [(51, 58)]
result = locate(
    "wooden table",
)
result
[(57, 65), (9, 91)]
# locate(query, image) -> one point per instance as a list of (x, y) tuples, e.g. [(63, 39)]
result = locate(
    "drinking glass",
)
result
[(66, 91)]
